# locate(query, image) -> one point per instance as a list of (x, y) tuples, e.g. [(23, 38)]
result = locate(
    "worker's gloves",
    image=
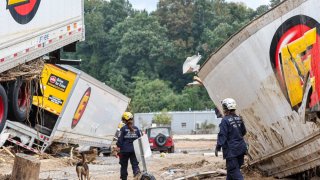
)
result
[(218, 148), (216, 152)]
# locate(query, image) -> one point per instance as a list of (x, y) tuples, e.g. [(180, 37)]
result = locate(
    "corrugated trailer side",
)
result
[(271, 68), (92, 113)]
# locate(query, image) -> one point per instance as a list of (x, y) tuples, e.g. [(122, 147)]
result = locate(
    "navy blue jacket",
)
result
[(126, 138), (230, 137)]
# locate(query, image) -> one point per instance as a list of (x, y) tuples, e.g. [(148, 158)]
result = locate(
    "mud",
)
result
[(166, 167)]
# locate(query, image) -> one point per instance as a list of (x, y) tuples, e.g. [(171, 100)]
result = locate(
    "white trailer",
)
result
[(271, 68), (90, 114), (29, 30), (33, 28)]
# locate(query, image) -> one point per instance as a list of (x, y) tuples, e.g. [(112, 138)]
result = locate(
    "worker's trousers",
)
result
[(233, 168), (124, 158)]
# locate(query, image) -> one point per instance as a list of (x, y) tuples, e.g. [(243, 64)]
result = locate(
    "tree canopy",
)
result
[(141, 54)]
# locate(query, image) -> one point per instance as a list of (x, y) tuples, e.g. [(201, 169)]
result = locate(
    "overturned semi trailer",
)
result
[(272, 68)]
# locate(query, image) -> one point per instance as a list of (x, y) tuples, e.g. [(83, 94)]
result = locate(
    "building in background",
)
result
[(185, 122)]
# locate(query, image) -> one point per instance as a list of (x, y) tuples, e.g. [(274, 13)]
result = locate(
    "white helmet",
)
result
[(229, 103)]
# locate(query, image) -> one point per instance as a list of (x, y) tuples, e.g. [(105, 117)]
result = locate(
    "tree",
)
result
[(262, 9), (274, 2), (163, 118), (139, 44), (151, 95), (194, 98), (141, 54)]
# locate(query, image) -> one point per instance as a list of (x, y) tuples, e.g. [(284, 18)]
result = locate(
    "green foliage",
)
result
[(194, 98), (274, 2), (163, 118), (141, 54), (151, 95)]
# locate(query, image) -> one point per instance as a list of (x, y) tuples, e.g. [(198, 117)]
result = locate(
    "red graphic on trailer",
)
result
[(53, 79), (23, 11), (295, 57), (81, 108)]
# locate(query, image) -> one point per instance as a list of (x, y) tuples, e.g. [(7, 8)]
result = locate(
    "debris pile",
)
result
[(187, 166)]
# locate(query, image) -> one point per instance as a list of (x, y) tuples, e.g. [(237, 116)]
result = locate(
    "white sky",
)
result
[(151, 5)]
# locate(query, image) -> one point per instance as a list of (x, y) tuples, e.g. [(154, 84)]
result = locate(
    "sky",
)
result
[(151, 5)]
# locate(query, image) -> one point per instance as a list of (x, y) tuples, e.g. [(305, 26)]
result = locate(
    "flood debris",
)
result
[(25, 167), (204, 175), (187, 166), (172, 172), (5, 177), (8, 151)]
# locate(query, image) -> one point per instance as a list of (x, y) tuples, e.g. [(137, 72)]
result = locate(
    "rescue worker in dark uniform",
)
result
[(230, 139), (127, 135)]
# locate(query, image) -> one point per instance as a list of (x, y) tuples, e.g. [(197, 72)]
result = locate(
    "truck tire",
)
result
[(161, 140), (19, 99), (3, 107)]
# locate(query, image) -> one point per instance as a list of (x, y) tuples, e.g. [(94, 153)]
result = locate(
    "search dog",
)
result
[(82, 168)]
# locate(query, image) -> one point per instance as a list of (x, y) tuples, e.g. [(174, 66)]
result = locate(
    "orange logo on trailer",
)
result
[(295, 57), (23, 11), (81, 108)]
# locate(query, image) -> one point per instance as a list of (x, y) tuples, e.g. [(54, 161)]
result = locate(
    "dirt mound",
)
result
[(187, 166)]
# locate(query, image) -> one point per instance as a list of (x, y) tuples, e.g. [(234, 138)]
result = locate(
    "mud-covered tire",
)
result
[(3, 107), (161, 140), (19, 99)]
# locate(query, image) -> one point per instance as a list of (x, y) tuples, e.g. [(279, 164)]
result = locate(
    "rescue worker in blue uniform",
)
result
[(127, 135), (230, 139)]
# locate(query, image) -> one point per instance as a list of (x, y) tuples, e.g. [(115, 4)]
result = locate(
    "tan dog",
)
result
[(115, 151), (82, 168)]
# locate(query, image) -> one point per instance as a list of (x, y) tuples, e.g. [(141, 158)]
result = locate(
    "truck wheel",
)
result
[(3, 107), (161, 140), (19, 99)]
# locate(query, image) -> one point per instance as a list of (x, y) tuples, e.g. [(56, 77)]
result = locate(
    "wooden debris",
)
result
[(27, 71), (8, 151), (201, 175), (25, 167), (2, 160), (71, 152)]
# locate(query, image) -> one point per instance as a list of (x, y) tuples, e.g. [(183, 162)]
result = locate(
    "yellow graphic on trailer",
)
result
[(296, 64), (55, 87), (15, 2)]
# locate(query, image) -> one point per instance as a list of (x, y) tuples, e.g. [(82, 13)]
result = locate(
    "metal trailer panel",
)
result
[(55, 23), (281, 142), (101, 115)]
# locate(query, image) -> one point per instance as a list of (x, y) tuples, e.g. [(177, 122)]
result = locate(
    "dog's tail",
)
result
[(83, 157)]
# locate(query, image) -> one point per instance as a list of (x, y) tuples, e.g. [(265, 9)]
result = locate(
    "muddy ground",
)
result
[(192, 156)]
